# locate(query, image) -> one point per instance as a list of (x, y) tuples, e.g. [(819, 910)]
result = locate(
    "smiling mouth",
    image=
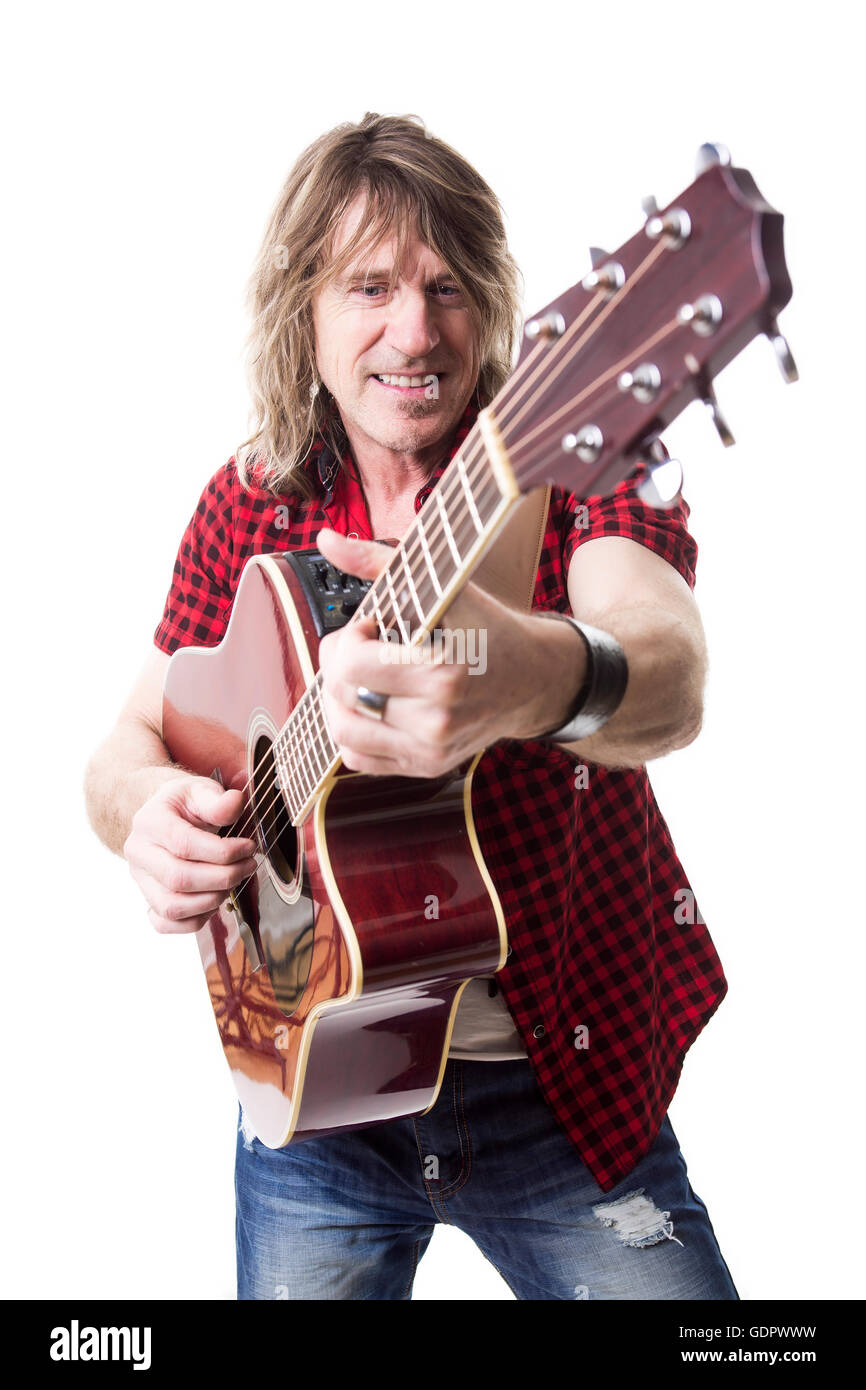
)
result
[(428, 384)]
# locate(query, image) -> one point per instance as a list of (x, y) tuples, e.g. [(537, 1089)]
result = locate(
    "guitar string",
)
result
[(568, 352), (452, 490), (506, 417), (554, 423), (316, 717), (318, 727), (242, 824), (319, 724), (387, 624), (281, 793)]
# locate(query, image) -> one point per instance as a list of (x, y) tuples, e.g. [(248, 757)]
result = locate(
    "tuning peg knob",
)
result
[(719, 420), (704, 315), (662, 485), (608, 278), (674, 229), (784, 356), (644, 382), (549, 326), (650, 207), (711, 154), (587, 443), (598, 257)]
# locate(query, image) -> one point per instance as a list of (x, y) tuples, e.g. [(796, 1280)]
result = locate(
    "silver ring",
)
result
[(371, 703)]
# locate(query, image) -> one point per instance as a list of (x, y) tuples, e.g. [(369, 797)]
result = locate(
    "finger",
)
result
[(187, 841), (403, 716), (406, 737), (359, 632), (167, 928), (170, 824), (189, 875), (372, 764), (180, 907), (211, 803), (392, 668), (364, 559)]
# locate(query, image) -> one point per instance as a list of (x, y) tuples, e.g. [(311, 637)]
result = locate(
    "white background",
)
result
[(143, 148)]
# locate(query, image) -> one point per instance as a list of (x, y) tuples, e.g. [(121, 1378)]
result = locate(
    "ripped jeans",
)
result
[(349, 1216)]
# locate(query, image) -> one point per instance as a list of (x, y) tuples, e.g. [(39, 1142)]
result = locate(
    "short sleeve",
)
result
[(624, 514), (198, 602)]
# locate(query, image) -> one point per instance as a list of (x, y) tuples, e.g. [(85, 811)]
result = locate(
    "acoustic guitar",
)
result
[(333, 983)]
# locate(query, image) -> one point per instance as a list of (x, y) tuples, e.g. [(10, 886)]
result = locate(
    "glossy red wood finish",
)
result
[(375, 858), (734, 251)]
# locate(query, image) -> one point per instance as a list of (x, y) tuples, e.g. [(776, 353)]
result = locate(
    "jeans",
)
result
[(348, 1216)]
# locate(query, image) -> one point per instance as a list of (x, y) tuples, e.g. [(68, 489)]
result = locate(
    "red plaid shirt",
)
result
[(612, 973)]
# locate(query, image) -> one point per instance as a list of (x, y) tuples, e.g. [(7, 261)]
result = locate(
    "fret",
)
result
[(312, 736), (427, 595), (464, 533), (408, 573), (287, 782), (315, 766), (305, 751), (281, 779), (327, 743), (479, 524), (458, 558), (431, 568), (301, 772), (395, 605), (318, 732), (488, 498), (379, 615)]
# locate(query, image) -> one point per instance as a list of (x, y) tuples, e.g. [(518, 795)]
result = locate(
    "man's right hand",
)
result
[(183, 868)]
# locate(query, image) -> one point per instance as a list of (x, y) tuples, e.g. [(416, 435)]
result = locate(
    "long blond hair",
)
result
[(413, 181)]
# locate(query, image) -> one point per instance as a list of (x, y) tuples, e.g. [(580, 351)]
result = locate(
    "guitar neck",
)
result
[(423, 576), (443, 545), (603, 369)]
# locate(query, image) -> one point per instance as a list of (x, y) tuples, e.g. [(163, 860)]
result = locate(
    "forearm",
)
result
[(123, 773), (662, 707)]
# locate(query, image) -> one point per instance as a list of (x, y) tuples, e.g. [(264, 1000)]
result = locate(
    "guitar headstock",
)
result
[(609, 364)]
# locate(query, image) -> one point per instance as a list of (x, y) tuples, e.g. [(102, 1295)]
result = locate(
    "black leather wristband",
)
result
[(603, 688)]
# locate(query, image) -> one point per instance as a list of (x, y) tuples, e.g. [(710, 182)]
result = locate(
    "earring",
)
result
[(314, 389)]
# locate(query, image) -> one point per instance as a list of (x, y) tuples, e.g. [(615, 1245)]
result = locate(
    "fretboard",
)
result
[(423, 577)]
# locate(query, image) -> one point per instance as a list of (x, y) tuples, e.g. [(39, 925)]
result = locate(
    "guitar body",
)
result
[(335, 973)]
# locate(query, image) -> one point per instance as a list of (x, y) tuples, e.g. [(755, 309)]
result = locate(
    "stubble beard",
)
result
[(391, 436)]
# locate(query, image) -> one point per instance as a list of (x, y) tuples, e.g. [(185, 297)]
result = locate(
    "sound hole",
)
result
[(278, 836)]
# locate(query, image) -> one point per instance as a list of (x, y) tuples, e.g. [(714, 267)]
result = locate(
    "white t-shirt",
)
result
[(484, 1030)]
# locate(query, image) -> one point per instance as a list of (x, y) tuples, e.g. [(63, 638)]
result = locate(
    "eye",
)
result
[(369, 291)]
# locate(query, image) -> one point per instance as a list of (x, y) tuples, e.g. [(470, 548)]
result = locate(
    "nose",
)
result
[(410, 326)]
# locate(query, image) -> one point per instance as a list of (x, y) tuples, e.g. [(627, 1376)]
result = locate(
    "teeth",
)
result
[(391, 380)]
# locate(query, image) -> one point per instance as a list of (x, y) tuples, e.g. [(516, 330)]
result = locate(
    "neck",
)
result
[(388, 475)]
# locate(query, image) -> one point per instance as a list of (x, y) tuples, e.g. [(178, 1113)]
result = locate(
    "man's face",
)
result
[(422, 333)]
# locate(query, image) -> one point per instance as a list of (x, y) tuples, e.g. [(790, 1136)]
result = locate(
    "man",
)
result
[(384, 309)]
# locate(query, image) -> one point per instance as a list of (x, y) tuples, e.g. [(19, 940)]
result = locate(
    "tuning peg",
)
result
[(784, 356), (662, 485), (711, 154), (608, 278), (719, 420), (650, 207), (546, 328), (597, 256)]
